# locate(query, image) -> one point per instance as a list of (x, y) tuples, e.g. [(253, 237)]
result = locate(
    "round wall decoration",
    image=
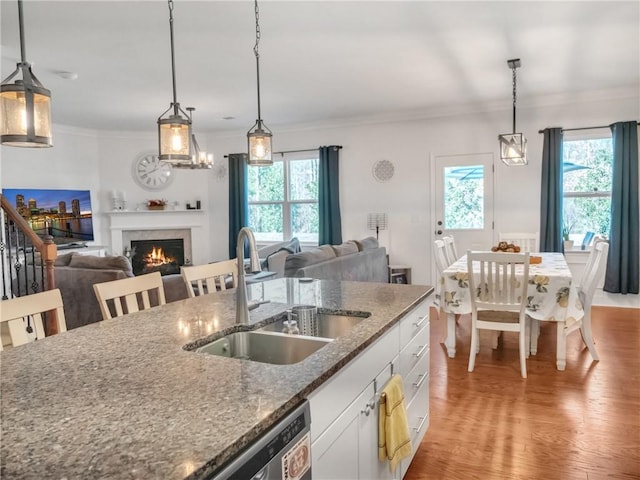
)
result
[(151, 173), (383, 170)]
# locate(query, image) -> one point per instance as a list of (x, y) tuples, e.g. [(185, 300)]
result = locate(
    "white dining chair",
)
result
[(22, 313), (209, 278), (498, 299), (440, 258), (129, 295), (586, 289), (528, 242), (450, 250)]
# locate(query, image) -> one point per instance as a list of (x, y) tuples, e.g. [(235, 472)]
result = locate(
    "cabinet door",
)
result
[(335, 457)]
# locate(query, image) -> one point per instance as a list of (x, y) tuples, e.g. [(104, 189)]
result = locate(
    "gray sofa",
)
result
[(76, 274), (358, 260)]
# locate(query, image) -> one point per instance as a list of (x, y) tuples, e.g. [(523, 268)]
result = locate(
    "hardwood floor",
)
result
[(582, 423)]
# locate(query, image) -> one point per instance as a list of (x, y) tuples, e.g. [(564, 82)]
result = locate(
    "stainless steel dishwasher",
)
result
[(283, 453)]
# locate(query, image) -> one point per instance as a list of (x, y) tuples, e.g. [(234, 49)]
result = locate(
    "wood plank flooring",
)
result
[(582, 423)]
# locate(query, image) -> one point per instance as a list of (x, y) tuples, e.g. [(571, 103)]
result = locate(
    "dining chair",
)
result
[(209, 278), (129, 295), (26, 313), (498, 298), (592, 276), (528, 242), (450, 249)]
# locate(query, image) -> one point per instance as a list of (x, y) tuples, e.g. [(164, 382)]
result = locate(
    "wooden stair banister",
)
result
[(48, 253)]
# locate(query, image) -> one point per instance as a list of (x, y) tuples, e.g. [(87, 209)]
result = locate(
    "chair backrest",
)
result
[(497, 287), (440, 256), (27, 311), (528, 242), (210, 277), (131, 293), (590, 260), (593, 273), (450, 249)]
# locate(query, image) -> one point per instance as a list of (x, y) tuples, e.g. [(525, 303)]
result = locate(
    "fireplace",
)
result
[(161, 255)]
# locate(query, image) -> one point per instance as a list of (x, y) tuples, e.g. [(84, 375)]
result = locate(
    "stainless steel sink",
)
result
[(265, 347), (329, 325)]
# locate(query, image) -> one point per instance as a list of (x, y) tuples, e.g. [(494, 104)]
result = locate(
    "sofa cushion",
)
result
[(345, 248), (102, 263), (299, 260), (368, 243)]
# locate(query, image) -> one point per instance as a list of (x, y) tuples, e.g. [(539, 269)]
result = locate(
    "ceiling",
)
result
[(319, 60)]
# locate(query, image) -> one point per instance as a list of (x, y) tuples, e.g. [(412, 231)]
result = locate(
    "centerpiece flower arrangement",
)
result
[(156, 204)]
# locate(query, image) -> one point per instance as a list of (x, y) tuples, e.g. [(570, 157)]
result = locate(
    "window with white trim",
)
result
[(283, 199), (587, 187)]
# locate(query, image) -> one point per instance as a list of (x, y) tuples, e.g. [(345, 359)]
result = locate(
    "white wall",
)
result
[(102, 162)]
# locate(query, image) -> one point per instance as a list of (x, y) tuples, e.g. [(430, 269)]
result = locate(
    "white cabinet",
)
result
[(344, 411)]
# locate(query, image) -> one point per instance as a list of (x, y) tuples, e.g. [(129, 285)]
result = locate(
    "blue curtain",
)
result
[(238, 198), (330, 229), (623, 274), (551, 192)]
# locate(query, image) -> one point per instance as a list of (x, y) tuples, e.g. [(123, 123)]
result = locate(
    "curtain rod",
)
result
[(339, 147), (581, 128)]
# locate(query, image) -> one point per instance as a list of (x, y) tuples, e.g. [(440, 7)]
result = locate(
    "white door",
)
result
[(463, 204)]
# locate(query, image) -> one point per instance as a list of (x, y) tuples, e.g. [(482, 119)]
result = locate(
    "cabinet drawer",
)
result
[(417, 377), (414, 351), (418, 417), (413, 322)]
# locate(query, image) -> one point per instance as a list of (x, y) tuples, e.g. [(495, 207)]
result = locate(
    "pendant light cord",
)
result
[(514, 98), (257, 54), (173, 60), (23, 50)]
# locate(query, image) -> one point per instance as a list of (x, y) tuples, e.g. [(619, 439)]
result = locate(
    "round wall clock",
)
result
[(152, 173)]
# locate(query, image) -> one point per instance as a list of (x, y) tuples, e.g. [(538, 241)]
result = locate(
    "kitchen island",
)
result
[(128, 398)]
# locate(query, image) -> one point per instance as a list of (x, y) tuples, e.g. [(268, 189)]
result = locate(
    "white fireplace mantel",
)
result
[(193, 220)]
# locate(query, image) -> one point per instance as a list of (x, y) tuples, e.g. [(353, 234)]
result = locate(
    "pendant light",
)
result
[(259, 137), (25, 106), (513, 146), (174, 130)]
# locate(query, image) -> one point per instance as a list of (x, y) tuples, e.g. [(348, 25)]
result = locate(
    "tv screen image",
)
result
[(64, 214)]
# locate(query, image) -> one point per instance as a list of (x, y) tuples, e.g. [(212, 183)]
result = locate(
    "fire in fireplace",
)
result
[(164, 256)]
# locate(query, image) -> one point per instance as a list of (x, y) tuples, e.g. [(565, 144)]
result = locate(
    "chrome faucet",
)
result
[(242, 304)]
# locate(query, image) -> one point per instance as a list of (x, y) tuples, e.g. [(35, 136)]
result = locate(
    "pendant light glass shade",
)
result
[(513, 146), (259, 141), (174, 130), (25, 106), (199, 158), (259, 136)]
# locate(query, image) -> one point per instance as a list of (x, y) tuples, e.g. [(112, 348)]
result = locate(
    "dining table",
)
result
[(551, 295)]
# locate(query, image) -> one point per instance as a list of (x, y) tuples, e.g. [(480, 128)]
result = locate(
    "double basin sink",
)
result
[(269, 345)]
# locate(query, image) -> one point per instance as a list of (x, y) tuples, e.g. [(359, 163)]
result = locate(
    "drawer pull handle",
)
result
[(422, 377), (422, 320), (424, 419), (421, 351)]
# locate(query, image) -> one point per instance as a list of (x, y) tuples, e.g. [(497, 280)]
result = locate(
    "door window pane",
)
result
[(464, 197), (266, 222)]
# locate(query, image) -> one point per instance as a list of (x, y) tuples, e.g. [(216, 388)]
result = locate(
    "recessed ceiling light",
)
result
[(67, 75), (228, 118)]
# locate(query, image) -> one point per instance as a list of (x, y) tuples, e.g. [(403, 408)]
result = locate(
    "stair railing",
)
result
[(21, 274)]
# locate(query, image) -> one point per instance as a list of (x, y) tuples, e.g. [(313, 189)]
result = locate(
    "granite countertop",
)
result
[(125, 398)]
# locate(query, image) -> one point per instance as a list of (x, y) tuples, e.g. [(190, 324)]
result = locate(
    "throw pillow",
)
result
[(63, 260), (368, 243), (346, 248), (102, 263)]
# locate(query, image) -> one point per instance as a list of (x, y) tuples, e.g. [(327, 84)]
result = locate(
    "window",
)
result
[(283, 199), (587, 187)]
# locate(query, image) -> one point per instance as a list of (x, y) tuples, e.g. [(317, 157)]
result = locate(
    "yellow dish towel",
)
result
[(394, 442)]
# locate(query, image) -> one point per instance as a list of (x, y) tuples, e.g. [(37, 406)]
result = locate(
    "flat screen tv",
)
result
[(64, 214)]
